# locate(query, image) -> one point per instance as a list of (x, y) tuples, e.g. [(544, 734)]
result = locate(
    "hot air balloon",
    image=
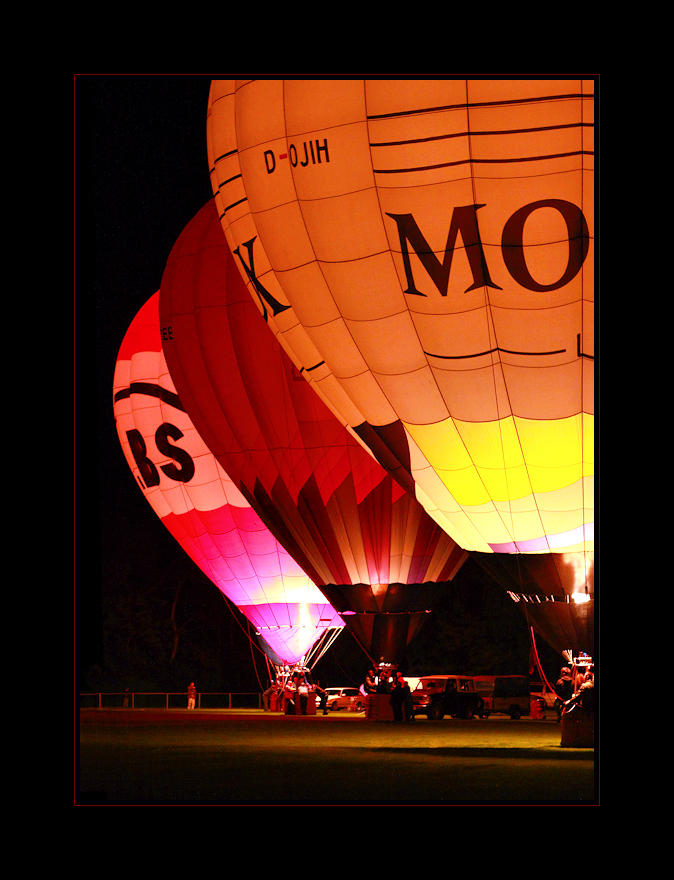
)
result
[(201, 507), (434, 240), (369, 546)]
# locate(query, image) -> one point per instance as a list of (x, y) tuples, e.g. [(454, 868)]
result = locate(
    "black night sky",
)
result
[(145, 616)]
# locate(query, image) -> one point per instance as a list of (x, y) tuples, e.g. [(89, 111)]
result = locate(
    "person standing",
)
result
[(397, 698), (323, 698), (408, 705), (563, 689), (302, 694), (191, 696), (370, 682)]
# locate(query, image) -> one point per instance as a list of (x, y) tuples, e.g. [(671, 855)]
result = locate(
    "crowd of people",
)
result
[(293, 689), (392, 682), (574, 689), (291, 692)]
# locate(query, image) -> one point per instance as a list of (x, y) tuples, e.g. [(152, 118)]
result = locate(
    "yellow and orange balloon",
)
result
[(423, 250)]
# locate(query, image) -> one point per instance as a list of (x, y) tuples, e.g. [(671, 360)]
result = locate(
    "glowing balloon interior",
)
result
[(201, 507), (424, 250), (369, 546)]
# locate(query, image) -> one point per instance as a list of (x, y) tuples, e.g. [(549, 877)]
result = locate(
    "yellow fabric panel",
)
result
[(556, 522), (524, 526), (577, 496), (442, 445), (506, 459), (494, 527), (588, 442), (463, 530), (492, 445)]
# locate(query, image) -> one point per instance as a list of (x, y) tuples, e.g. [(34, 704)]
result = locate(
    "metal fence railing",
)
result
[(176, 700)]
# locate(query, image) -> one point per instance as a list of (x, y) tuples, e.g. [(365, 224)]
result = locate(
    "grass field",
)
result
[(220, 757)]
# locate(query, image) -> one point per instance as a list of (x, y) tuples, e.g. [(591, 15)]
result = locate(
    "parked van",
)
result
[(438, 695), (505, 694)]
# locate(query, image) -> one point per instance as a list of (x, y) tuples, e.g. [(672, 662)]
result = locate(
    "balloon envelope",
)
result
[(554, 592), (434, 241), (201, 507), (372, 549)]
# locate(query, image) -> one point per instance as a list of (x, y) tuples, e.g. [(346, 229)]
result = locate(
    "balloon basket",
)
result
[(536, 711), (379, 708), (276, 703), (294, 706), (578, 729)]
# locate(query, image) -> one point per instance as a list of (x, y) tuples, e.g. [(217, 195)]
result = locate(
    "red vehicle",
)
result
[(438, 695)]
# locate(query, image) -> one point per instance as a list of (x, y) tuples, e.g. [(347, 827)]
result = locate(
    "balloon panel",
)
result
[(435, 240), (199, 504), (562, 625), (339, 513), (546, 587), (253, 261), (559, 574)]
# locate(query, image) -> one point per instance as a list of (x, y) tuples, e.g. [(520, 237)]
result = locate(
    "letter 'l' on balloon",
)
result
[(200, 506)]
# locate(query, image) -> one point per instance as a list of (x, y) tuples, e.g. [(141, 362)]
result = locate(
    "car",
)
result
[(438, 695), (506, 694), (343, 698)]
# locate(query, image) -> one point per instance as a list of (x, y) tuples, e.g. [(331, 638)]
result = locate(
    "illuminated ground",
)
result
[(156, 757)]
